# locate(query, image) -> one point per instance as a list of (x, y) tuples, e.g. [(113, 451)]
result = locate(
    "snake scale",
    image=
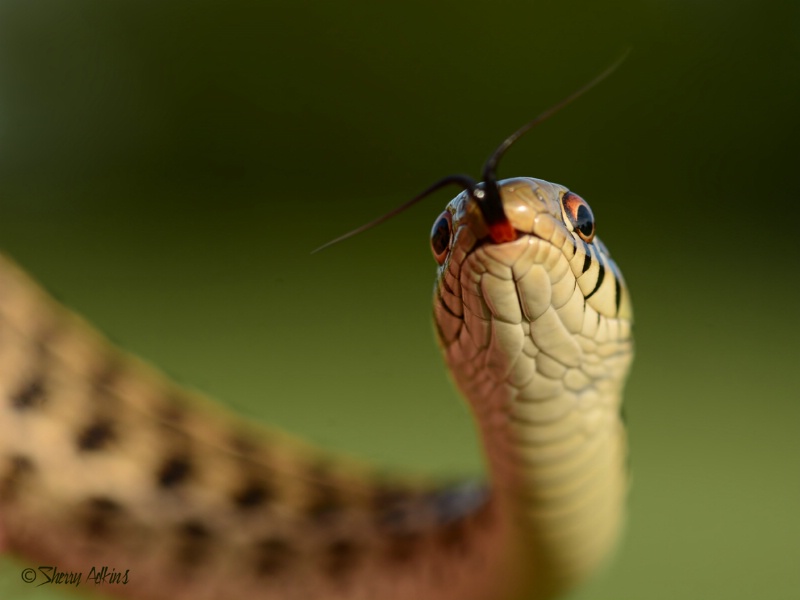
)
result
[(105, 462)]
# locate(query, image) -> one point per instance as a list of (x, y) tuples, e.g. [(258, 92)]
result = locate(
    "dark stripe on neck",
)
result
[(600, 275), (617, 286), (587, 259)]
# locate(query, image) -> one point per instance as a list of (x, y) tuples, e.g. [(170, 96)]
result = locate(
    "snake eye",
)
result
[(580, 215), (440, 236)]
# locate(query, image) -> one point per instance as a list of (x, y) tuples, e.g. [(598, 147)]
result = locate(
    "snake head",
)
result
[(539, 213)]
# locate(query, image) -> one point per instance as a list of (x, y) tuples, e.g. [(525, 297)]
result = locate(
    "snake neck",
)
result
[(543, 372)]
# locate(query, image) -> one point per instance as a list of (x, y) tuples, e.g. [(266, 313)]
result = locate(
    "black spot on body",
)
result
[(252, 495), (194, 542), (18, 468), (341, 557), (103, 503), (102, 516), (325, 505), (392, 510), (31, 395), (453, 537), (386, 495), (458, 501), (392, 519), (194, 530), (402, 547), (273, 555), (447, 505), (174, 471), (325, 502), (96, 436)]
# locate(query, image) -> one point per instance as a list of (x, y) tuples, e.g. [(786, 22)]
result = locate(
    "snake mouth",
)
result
[(505, 236), (520, 237), (502, 232)]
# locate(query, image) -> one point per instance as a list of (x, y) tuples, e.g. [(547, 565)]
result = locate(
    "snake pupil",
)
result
[(440, 236), (580, 215), (584, 220)]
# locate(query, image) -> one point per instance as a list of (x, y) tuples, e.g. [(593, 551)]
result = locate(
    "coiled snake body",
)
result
[(104, 462)]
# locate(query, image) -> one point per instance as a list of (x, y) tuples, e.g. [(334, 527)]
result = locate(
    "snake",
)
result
[(115, 479)]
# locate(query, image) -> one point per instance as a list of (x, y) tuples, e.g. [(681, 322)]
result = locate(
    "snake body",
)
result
[(105, 462)]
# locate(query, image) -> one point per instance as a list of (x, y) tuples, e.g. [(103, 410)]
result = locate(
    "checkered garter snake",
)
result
[(104, 461)]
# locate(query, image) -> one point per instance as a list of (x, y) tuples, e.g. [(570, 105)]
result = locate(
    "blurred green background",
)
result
[(166, 167)]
